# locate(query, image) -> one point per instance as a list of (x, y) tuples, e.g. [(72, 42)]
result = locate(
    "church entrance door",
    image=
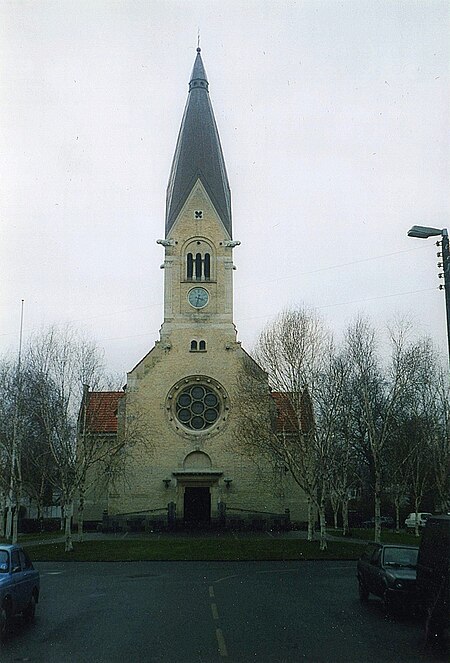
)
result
[(197, 506)]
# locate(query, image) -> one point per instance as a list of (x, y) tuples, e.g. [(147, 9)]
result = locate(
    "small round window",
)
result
[(197, 407)]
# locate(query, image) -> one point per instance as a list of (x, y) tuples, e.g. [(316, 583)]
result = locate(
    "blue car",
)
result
[(19, 586)]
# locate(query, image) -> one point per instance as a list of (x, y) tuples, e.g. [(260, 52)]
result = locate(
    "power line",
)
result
[(272, 280), (338, 266), (353, 301)]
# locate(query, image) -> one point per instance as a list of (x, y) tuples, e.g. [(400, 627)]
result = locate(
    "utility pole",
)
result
[(423, 232), (12, 515)]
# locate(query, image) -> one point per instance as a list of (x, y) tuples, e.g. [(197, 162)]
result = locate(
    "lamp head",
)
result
[(423, 232)]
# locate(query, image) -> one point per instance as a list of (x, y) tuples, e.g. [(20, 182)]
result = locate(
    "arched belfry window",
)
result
[(198, 267), (207, 266), (193, 346), (190, 266), (202, 346), (199, 262)]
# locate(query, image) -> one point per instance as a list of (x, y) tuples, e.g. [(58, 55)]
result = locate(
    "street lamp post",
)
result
[(423, 232)]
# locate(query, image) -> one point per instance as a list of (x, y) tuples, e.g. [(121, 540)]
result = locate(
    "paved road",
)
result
[(210, 612)]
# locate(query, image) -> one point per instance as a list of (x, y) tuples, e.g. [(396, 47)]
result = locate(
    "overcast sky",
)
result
[(335, 125)]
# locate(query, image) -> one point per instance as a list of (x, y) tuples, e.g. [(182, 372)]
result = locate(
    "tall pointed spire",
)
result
[(198, 153)]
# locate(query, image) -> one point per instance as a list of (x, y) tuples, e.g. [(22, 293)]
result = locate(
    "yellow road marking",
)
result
[(214, 611), (221, 642)]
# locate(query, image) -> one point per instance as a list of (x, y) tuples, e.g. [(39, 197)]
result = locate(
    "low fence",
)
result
[(239, 518), (165, 518), (150, 520)]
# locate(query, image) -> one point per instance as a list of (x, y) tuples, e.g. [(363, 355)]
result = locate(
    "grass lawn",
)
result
[(194, 549), (35, 536), (387, 536)]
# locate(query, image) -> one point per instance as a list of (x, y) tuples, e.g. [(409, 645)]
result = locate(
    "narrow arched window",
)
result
[(207, 266), (202, 345), (193, 346), (190, 266), (198, 266)]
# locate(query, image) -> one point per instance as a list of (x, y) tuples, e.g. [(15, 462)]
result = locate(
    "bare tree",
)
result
[(439, 442), (11, 433), (60, 362), (379, 390), (344, 476), (307, 380), (7, 391), (101, 452)]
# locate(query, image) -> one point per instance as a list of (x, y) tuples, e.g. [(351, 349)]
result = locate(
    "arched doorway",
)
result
[(197, 483), (197, 506)]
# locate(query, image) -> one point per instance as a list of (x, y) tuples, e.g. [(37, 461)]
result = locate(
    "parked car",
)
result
[(422, 518), (388, 571), (19, 586), (433, 576), (386, 522)]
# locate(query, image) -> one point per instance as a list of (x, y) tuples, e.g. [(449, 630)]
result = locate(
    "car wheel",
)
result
[(30, 610), (387, 604), (4, 621), (363, 592)]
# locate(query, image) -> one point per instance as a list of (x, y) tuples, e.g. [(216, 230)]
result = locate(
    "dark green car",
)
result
[(389, 572)]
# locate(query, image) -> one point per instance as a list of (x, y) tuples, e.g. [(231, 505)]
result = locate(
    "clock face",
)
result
[(198, 297)]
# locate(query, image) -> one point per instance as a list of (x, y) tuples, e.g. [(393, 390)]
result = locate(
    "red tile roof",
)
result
[(286, 416), (101, 413)]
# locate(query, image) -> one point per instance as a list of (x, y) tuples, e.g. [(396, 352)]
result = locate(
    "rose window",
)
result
[(197, 407)]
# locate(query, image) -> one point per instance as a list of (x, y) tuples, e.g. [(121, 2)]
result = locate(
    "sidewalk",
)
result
[(184, 534)]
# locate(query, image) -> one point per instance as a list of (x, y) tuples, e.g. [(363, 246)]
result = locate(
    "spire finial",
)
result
[(198, 41)]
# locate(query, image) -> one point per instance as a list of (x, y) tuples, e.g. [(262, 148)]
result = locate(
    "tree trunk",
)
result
[(68, 508), (15, 525), (345, 516), (310, 519), (416, 526), (323, 526), (335, 517), (397, 514), (2, 513), (81, 514), (9, 520), (377, 496)]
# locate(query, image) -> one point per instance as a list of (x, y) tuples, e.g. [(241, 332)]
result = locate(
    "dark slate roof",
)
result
[(198, 154)]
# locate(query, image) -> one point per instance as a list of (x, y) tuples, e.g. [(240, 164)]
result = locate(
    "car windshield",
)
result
[(400, 557), (3, 561)]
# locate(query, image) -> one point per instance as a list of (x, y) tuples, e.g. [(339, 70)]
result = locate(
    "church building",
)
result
[(184, 393)]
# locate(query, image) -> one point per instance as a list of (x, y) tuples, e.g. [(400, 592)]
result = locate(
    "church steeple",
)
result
[(198, 154)]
